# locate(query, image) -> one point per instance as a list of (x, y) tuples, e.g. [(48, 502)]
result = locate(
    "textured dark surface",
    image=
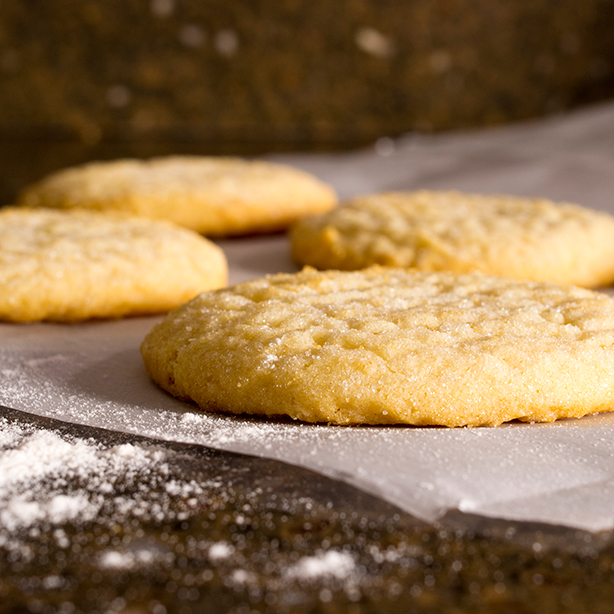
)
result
[(83, 80), (299, 71), (271, 518)]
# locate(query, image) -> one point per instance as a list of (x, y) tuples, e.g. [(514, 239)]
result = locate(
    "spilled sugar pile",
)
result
[(47, 478)]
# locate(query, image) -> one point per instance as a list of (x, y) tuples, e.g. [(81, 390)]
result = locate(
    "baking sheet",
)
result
[(561, 473)]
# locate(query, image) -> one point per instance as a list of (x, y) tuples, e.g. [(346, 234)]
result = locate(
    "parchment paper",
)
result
[(561, 473)]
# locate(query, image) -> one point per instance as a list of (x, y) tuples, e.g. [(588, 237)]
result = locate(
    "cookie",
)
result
[(74, 265), (449, 231), (213, 196), (390, 346)]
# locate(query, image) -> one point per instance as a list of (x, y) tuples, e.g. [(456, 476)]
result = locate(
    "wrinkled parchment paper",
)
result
[(561, 473)]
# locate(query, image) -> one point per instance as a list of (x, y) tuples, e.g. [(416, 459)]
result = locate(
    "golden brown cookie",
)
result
[(450, 231), (74, 265), (390, 346), (214, 196)]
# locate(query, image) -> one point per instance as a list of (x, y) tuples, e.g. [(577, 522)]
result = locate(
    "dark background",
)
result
[(99, 79)]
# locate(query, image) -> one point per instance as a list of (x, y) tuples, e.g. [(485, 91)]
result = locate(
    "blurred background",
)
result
[(100, 79)]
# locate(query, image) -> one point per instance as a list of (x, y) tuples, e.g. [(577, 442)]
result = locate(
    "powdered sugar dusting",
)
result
[(40, 454), (47, 479), (23, 512)]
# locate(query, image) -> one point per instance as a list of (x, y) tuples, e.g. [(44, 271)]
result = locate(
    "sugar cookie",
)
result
[(434, 231), (214, 196), (75, 265), (390, 346)]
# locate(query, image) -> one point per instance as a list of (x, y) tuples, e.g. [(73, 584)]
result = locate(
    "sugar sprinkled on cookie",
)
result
[(389, 346), (504, 235), (75, 265), (215, 196)]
